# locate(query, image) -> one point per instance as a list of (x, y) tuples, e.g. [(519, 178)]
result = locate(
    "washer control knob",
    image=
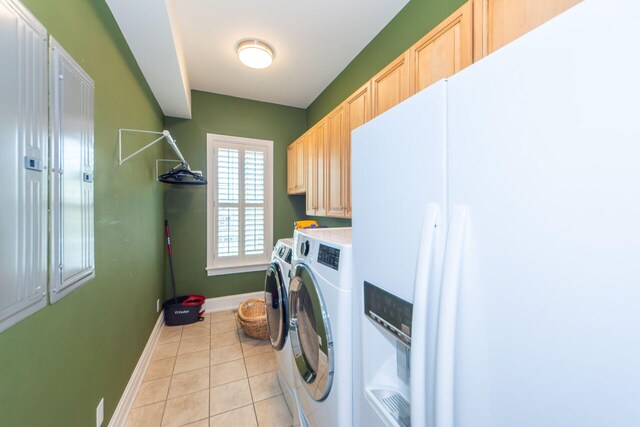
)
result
[(304, 248)]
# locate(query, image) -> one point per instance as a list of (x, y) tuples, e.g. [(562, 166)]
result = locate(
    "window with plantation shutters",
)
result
[(239, 204)]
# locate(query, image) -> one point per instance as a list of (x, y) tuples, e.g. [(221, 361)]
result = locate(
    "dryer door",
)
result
[(310, 332), (275, 296)]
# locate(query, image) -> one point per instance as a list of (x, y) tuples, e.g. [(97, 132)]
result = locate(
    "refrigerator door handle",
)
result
[(445, 351), (419, 317)]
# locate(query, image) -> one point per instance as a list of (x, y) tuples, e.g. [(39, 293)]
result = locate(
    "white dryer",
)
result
[(320, 325), (276, 289)]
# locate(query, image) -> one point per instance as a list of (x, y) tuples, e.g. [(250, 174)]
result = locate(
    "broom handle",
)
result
[(170, 250)]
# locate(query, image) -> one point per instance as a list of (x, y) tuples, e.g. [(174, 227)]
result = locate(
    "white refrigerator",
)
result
[(537, 319)]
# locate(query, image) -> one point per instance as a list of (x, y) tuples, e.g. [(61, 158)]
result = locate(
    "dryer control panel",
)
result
[(329, 256)]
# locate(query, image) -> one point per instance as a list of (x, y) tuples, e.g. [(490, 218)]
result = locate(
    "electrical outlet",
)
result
[(158, 305), (100, 413)]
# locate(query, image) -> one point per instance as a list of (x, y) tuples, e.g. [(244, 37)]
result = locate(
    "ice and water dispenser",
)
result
[(387, 354)]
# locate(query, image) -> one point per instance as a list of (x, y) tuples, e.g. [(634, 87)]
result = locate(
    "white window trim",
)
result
[(258, 263)]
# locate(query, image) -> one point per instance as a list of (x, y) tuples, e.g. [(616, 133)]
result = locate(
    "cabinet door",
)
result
[(72, 247), (444, 51), (391, 85), (291, 168), (334, 163), (23, 143), (312, 178), (498, 22), (300, 164), (357, 113), (321, 155), (316, 146), (296, 166)]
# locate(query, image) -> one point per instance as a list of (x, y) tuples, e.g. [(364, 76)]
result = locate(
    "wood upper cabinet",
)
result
[(334, 163), (328, 158), (316, 146), (444, 51), (357, 112), (473, 31), (296, 166), (391, 85), (498, 22)]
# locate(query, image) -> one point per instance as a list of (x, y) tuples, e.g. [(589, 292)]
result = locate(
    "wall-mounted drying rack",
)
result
[(180, 174)]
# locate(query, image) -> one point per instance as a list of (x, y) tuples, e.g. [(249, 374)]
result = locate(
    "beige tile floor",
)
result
[(210, 374)]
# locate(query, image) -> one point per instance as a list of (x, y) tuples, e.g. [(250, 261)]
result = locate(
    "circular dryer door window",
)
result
[(275, 296), (310, 334)]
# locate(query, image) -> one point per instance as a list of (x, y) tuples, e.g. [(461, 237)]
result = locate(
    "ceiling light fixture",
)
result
[(255, 54)]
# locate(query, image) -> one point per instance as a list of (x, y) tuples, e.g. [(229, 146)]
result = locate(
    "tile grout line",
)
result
[(173, 374), (176, 361), (237, 329), (244, 360), (231, 410), (209, 377), (164, 407)]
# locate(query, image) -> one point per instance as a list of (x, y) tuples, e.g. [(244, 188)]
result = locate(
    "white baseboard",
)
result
[(229, 302), (121, 413)]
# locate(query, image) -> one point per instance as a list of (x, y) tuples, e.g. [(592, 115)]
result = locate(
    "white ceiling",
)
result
[(313, 42)]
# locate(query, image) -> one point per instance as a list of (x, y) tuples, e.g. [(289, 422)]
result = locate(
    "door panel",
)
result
[(73, 260), (444, 51), (312, 167), (23, 141), (310, 332), (499, 22), (358, 112), (320, 173), (334, 168), (391, 85), (301, 158), (548, 283), (291, 168), (276, 306)]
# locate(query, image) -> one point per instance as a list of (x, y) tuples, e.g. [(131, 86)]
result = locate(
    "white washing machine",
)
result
[(320, 325), (276, 289)]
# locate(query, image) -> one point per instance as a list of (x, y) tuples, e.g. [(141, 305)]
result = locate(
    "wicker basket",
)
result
[(253, 318)]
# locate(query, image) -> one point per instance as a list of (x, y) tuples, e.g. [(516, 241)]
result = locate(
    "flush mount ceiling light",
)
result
[(255, 54)]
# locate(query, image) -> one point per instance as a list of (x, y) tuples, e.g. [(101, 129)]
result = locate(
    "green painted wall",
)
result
[(57, 364), (415, 20), (186, 207)]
